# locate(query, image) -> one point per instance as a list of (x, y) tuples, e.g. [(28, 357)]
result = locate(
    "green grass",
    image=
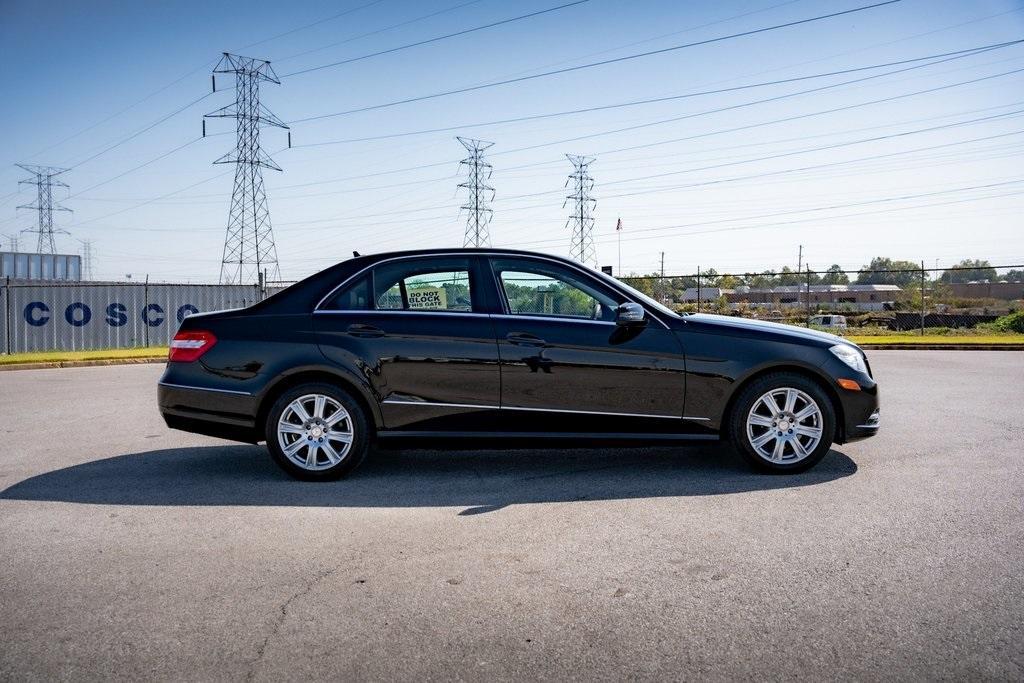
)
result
[(100, 354)]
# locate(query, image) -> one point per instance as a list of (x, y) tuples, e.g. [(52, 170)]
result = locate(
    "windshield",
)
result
[(640, 296)]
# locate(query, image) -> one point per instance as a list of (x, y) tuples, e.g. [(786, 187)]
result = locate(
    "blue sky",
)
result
[(718, 201)]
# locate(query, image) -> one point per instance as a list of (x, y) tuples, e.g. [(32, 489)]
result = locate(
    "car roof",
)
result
[(458, 250)]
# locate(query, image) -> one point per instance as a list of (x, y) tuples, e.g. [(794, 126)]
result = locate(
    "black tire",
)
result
[(323, 470), (737, 431)]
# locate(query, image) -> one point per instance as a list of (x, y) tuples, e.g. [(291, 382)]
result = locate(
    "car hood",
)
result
[(724, 323)]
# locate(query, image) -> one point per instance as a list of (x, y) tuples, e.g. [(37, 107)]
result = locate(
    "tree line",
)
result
[(881, 270)]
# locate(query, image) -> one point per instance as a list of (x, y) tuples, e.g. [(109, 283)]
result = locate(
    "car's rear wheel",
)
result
[(317, 432), (782, 422)]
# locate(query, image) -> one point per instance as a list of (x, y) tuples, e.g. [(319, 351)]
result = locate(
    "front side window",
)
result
[(438, 284), (532, 288)]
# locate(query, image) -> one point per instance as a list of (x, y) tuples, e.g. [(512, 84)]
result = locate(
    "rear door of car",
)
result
[(417, 329), (565, 364)]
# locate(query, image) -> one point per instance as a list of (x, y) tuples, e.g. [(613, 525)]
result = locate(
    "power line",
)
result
[(312, 24), (596, 64), (182, 78), (884, 200), (954, 55), (191, 198), (759, 124), (801, 151), (136, 168), (837, 145), (121, 111), (140, 131), (958, 54), (659, 37), (676, 187), (435, 39), (746, 127), (810, 168), (379, 30), (787, 119)]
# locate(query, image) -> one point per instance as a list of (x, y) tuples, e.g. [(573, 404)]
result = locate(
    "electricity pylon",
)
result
[(44, 180), (581, 220), (478, 172), (249, 248)]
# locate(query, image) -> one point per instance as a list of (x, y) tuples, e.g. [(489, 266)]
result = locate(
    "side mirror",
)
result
[(630, 313)]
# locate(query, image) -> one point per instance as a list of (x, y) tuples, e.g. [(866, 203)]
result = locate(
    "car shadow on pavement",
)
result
[(478, 481)]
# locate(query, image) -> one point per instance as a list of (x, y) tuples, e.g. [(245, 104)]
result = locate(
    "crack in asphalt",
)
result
[(283, 609)]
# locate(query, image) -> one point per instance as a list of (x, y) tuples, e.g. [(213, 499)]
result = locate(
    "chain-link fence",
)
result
[(41, 316), (899, 298)]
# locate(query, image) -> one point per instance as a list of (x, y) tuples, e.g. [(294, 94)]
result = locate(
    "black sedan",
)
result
[(507, 346)]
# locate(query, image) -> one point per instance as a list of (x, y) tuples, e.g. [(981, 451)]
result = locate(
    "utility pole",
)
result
[(478, 172), (800, 259), (808, 322), (661, 282), (44, 180), (618, 231), (581, 220), (249, 243), (922, 298)]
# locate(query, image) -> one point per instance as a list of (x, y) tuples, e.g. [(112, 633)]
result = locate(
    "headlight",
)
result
[(850, 356)]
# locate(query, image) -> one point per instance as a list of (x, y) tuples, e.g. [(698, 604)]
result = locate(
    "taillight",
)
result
[(188, 346)]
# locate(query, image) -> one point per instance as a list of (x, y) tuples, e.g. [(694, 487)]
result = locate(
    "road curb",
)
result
[(81, 363)]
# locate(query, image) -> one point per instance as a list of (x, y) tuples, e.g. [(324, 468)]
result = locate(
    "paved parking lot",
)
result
[(130, 551)]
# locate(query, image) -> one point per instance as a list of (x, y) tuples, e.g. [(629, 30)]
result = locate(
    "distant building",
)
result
[(855, 297), (1007, 291), (707, 294), (23, 266)]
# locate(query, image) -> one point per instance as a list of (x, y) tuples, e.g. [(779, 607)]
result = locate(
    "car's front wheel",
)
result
[(782, 422), (317, 432)]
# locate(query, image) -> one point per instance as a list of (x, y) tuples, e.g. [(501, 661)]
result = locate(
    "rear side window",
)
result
[(428, 284), (355, 297), (441, 284)]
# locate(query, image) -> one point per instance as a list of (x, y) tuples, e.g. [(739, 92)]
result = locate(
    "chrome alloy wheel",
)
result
[(784, 425), (315, 432)]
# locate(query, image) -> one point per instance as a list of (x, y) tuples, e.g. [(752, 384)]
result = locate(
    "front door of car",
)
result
[(417, 329), (567, 366)]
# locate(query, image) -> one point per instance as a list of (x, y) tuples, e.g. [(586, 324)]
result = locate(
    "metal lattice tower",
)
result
[(478, 172), (86, 259), (12, 242), (44, 180), (581, 220), (249, 242)]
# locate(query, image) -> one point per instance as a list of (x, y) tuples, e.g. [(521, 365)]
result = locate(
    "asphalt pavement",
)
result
[(131, 551)]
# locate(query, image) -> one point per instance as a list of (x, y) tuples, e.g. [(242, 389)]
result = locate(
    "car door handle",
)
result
[(524, 339), (357, 330)]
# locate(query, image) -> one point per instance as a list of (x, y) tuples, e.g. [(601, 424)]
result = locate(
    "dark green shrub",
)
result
[(1010, 323)]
